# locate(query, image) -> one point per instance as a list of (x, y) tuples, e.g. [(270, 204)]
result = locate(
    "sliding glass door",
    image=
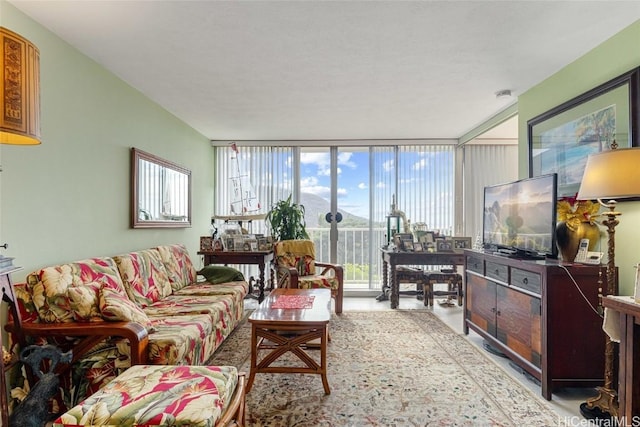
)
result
[(335, 190)]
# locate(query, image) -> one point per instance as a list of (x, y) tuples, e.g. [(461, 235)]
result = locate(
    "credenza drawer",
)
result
[(526, 280), (497, 271), (475, 264)]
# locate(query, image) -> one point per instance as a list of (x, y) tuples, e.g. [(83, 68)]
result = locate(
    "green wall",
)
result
[(612, 58), (68, 198)]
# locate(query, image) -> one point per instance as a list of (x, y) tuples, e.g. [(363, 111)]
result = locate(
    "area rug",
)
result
[(389, 368)]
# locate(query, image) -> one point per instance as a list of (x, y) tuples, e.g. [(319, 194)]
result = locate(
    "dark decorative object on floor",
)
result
[(33, 410)]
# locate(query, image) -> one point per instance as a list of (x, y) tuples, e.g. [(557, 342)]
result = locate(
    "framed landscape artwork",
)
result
[(561, 139)]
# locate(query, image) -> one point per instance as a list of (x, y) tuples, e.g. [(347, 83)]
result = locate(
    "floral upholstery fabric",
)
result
[(144, 276), (48, 286), (147, 395), (182, 340), (117, 306), (84, 301), (190, 324), (179, 267), (298, 254), (312, 282)]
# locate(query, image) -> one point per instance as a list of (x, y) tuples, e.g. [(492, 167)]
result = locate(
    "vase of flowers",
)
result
[(576, 221)]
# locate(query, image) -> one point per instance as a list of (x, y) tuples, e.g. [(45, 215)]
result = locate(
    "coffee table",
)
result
[(295, 330)]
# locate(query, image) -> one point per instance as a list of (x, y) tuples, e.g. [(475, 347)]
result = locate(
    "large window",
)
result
[(418, 178)]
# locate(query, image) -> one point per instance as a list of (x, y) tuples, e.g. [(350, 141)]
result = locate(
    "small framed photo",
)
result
[(417, 247), (460, 243), (228, 244), (238, 243), (206, 243), (444, 245), (262, 244), (407, 245), (427, 237), (217, 245)]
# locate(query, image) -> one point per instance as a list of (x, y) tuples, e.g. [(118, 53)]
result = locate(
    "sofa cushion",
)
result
[(144, 276), (84, 301), (49, 285), (116, 306), (178, 264), (159, 396), (182, 340), (220, 274)]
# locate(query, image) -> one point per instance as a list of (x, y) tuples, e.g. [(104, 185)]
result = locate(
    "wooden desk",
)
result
[(629, 356), (259, 258), (391, 259)]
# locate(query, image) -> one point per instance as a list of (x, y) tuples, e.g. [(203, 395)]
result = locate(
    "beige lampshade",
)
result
[(20, 89), (611, 175)]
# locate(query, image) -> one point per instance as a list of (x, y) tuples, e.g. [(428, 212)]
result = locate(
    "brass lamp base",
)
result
[(602, 407)]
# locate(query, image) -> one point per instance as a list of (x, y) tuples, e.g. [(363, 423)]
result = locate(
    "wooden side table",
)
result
[(7, 296), (259, 258), (629, 356)]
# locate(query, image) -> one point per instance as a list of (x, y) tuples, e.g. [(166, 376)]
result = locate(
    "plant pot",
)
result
[(568, 240)]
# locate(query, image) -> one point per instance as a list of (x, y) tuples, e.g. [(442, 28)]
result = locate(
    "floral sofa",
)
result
[(142, 307)]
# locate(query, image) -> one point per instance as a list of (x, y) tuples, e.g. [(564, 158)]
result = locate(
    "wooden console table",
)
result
[(629, 358), (391, 259), (259, 258)]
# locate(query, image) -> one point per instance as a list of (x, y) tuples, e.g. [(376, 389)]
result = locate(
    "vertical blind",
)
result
[(269, 170), (484, 165)]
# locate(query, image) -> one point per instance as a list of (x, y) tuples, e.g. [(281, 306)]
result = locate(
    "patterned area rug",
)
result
[(389, 368)]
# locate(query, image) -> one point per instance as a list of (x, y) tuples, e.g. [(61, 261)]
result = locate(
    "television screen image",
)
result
[(520, 217)]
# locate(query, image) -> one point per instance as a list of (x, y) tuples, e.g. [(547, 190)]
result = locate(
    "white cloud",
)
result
[(345, 159), (362, 186)]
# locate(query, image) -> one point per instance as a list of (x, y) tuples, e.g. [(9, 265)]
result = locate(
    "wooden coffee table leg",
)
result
[(323, 359), (254, 358)]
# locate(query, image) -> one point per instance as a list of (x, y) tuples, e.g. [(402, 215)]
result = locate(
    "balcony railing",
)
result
[(358, 252)]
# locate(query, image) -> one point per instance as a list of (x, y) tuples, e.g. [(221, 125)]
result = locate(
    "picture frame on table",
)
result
[(444, 245), (561, 139), (417, 247), (460, 243), (263, 244), (400, 239), (206, 243), (427, 237)]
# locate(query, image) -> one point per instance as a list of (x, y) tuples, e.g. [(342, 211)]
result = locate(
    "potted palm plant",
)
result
[(286, 220)]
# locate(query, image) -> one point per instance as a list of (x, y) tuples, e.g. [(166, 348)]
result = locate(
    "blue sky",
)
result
[(353, 179)]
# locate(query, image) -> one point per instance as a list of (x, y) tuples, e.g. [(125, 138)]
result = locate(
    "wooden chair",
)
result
[(454, 287), (296, 267)]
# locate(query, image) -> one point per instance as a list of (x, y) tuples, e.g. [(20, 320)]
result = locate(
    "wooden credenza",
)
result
[(534, 313)]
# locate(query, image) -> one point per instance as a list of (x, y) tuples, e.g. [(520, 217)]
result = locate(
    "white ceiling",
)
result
[(307, 70)]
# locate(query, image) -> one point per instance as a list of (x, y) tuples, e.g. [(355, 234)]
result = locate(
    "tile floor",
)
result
[(566, 402)]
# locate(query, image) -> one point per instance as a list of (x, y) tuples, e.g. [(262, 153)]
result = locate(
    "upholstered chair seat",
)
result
[(296, 267)]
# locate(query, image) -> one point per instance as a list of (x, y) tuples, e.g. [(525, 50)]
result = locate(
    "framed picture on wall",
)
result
[(561, 139)]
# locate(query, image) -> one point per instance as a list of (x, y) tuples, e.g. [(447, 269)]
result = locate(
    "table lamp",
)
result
[(609, 176)]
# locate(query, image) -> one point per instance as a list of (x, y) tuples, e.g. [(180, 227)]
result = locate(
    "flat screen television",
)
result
[(520, 217)]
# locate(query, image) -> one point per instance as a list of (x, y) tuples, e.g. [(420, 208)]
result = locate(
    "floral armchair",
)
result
[(296, 267)]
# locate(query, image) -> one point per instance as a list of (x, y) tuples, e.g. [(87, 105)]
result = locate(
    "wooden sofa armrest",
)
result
[(338, 271), (91, 333)]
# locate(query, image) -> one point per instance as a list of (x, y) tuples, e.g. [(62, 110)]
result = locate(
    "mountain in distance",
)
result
[(316, 208)]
